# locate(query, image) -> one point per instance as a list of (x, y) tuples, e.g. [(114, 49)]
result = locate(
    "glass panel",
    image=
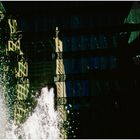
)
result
[(103, 63), (95, 63), (113, 62), (76, 43), (77, 65), (75, 22), (68, 66), (93, 42), (69, 87), (85, 88), (101, 42), (115, 40)]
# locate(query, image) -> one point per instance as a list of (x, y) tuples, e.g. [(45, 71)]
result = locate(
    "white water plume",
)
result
[(41, 124), (3, 114)]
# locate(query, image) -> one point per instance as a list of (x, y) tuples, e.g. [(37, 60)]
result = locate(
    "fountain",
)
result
[(41, 124), (3, 115)]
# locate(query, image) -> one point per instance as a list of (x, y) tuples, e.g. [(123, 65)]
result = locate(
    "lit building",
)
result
[(20, 72), (15, 71), (60, 85)]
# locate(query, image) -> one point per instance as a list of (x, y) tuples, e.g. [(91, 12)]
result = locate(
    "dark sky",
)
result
[(63, 7)]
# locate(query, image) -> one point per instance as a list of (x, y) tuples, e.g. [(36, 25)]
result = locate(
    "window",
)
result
[(75, 22), (93, 42), (85, 42), (69, 88), (68, 66), (101, 41), (69, 44), (85, 63), (77, 65), (113, 62), (103, 63), (85, 88), (95, 62)]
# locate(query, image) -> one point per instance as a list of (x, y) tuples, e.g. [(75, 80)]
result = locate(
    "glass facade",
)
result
[(77, 89)]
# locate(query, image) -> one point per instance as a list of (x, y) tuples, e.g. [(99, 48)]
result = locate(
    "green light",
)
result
[(133, 18)]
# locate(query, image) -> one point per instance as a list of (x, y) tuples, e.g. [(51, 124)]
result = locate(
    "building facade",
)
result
[(15, 70), (60, 85), (18, 70)]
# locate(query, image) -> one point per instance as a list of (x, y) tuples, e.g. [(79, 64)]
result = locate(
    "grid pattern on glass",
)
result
[(22, 91), (22, 69), (19, 112)]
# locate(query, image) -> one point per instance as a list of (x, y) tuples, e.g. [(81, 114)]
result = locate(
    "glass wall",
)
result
[(77, 88)]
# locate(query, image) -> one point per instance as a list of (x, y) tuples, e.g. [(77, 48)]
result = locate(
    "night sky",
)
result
[(63, 7)]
